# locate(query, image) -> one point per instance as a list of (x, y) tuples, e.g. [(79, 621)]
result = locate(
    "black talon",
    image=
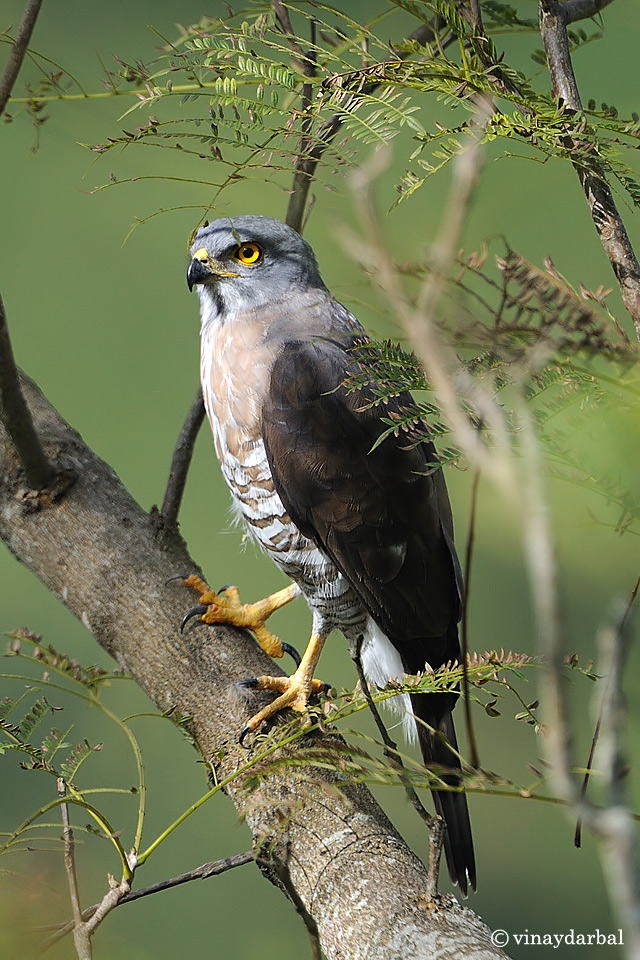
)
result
[(251, 683), (176, 576), (293, 653), (243, 733), (226, 587), (196, 611)]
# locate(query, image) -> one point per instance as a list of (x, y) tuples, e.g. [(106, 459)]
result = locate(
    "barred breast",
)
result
[(235, 367)]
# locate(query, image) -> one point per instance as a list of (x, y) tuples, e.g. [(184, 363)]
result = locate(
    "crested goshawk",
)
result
[(361, 526)]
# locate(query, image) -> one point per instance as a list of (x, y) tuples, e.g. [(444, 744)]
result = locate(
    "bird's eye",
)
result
[(248, 253)]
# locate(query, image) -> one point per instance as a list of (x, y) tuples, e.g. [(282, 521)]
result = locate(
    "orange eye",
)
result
[(248, 253)]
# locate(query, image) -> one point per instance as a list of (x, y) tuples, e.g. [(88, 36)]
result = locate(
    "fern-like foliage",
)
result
[(528, 327), (239, 92), (20, 718), (496, 682)]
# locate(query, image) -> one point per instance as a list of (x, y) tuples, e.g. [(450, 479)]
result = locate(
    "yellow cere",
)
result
[(201, 255)]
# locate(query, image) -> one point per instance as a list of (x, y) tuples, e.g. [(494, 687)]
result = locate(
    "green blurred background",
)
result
[(109, 332)]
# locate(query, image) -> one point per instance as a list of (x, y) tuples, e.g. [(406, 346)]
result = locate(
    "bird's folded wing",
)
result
[(379, 509)]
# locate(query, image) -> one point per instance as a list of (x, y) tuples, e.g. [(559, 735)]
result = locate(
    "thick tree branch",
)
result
[(18, 51), (105, 558), (17, 418), (607, 220)]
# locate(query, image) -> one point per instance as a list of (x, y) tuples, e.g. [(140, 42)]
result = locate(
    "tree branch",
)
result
[(105, 558), (434, 824), (607, 220), (181, 461), (313, 150), (82, 943), (212, 869), (18, 51), (16, 415)]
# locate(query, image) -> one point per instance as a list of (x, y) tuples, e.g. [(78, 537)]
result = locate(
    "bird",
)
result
[(356, 515)]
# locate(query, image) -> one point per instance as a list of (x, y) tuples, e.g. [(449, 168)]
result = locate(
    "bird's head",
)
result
[(244, 263)]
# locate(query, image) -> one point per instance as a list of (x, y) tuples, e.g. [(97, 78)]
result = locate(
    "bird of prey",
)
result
[(361, 525)]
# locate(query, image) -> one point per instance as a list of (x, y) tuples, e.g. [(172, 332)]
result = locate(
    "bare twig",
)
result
[(615, 825), (16, 416), (306, 64), (596, 733), (181, 460), (434, 825), (86, 923), (212, 869), (472, 13), (18, 51), (314, 148), (284, 22), (281, 870), (607, 220), (542, 572), (82, 943), (108, 903), (474, 757)]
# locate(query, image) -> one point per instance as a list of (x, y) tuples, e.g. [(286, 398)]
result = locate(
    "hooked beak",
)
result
[(202, 267)]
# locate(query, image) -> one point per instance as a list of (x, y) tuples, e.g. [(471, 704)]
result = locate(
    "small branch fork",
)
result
[(83, 929), (553, 18), (212, 869)]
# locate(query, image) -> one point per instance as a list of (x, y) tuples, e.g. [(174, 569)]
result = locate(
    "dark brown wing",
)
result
[(381, 511)]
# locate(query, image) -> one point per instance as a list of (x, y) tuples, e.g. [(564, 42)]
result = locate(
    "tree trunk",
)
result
[(325, 842)]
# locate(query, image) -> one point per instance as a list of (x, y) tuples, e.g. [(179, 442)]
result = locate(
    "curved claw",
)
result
[(293, 653), (243, 733), (196, 611), (176, 576)]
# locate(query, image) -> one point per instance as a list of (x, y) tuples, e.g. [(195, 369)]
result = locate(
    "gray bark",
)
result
[(325, 842)]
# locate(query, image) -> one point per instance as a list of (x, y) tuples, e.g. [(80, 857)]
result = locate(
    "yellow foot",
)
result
[(226, 607), (294, 691)]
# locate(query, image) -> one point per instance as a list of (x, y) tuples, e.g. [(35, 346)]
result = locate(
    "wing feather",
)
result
[(378, 509)]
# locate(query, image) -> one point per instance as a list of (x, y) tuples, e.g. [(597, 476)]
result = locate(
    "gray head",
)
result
[(243, 263)]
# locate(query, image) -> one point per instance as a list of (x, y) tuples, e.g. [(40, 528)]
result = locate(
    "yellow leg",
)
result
[(294, 691), (228, 608)]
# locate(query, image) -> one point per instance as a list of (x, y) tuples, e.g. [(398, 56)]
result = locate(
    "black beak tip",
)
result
[(197, 272)]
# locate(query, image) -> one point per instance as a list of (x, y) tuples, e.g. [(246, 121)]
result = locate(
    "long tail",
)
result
[(451, 806)]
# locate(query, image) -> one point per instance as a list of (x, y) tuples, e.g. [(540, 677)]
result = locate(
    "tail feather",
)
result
[(451, 806)]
